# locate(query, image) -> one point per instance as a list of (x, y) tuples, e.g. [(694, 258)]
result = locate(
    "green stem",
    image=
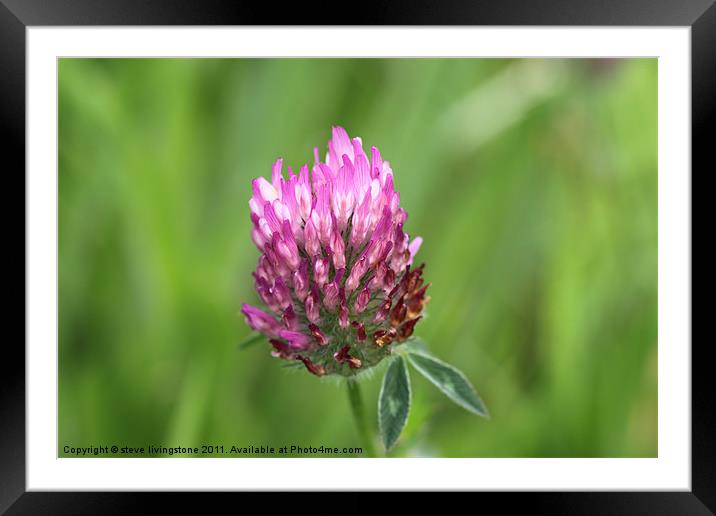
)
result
[(356, 402)]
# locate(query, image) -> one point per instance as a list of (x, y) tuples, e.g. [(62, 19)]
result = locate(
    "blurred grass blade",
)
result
[(450, 381), (394, 402), (251, 340), (504, 99)]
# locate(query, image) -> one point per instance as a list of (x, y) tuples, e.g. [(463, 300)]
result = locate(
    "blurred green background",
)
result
[(533, 183)]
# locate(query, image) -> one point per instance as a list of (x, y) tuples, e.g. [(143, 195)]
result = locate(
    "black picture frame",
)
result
[(17, 15)]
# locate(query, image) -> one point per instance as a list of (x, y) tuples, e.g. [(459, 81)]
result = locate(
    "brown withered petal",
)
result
[(406, 330), (314, 368), (395, 289), (412, 281), (384, 337), (360, 330), (421, 293), (397, 316), (415, 307), (404, 280), (417, 302)]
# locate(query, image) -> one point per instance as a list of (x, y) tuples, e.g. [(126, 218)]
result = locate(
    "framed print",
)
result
[(439, 251)]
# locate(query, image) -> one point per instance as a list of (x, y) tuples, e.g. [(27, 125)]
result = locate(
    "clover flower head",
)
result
[(335, 270)]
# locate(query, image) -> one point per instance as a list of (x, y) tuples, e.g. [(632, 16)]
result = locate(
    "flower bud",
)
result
[(295, 339), (290, 319), (313, 309), (362, 300), (342, 310), (300, 281), (260, 320), (320, 270), (281, 293)]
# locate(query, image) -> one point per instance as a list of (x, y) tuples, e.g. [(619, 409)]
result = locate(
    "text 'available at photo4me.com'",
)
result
[(208, 450)]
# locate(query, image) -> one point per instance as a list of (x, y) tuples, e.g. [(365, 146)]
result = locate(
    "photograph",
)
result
[(357, 257), (424, 250)]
